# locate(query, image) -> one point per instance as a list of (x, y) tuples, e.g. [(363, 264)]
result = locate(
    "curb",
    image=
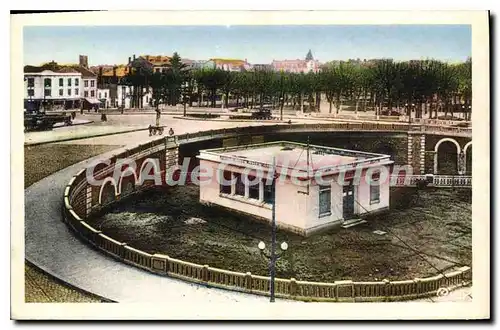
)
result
[(84, 137), (234, 120), (67, 284)]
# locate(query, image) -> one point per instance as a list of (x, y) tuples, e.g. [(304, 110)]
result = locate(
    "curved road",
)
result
[(54, 248)]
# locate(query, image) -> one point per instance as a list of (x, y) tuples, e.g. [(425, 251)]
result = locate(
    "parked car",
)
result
[(264, 114), (388, 112)]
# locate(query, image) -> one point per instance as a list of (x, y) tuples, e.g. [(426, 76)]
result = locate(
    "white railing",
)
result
[(432, 180), (452, 181)]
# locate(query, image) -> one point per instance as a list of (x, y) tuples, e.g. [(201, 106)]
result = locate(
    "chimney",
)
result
[(84, 61), (129, 60), (134, 57)]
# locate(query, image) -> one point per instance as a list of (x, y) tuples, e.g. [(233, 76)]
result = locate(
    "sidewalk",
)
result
[(75, 122)]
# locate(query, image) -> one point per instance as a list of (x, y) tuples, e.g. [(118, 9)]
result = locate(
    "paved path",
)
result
[(52, 247), (132, 129)]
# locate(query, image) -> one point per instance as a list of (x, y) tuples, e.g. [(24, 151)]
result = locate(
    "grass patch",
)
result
[(425, 231), (43, 160)]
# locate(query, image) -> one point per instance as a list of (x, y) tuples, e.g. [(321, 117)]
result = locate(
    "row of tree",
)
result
[(381, 85)]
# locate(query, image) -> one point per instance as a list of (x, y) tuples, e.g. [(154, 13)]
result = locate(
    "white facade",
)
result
[(104, 97), (303, 204), (89, 87), (51, 85), (124, 96)]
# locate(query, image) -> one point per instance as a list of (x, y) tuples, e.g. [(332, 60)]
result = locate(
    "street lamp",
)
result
[(184, 95), (272, 257)]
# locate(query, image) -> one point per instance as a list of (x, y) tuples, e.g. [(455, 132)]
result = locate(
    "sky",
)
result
[(257, 44)]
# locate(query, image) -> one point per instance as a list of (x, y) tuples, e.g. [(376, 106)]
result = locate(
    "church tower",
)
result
[(309, 56)]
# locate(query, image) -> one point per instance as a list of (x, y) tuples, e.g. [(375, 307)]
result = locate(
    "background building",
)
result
[(231, 64), (309, 64), (104, 98), (89, 88), (50, 87)]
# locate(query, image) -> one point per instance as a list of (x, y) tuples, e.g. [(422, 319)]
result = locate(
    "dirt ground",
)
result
[(39, 162), (427, 232)]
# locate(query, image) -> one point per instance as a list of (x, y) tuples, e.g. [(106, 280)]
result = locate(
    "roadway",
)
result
[(51, 246)]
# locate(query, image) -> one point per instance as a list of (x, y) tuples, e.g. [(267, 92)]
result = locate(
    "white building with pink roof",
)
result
[(315, 187)]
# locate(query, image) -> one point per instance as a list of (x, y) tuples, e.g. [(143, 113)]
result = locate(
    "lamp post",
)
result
[(272, 257)]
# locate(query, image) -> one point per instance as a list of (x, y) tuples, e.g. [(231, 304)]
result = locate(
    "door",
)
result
[(348, 201)]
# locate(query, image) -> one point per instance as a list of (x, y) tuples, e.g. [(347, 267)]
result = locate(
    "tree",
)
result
[(176, 74), (464, 91)]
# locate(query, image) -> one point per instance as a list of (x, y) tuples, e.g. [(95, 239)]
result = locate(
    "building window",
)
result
[(325, 200), (31, 82), (76, 91), (61, 92), (157, 70), (99, 94), (47, 83), (47, 92), (92, 83), (77, 81), (92, 93), (69, 92), (61, 82), (240, 185), (375, 188), (105, 95), (225, 184), (253, 187), (31, 92), (268, 191), (86, 94), (85, 83), (69, 81)]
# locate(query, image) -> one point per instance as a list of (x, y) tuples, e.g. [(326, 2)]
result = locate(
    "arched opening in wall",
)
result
[(107, 193), (468, 161), (149, 173), (447, 158), (127, 184)]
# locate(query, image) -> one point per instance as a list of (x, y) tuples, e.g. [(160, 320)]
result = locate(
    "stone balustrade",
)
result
[(75, 197)]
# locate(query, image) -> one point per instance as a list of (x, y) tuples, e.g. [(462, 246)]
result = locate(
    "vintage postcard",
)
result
[(250, 165)]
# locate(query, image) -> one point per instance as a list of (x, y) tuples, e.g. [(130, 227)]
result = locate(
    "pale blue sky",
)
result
[(258, 44)]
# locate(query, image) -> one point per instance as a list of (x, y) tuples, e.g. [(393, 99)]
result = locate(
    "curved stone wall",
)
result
[(81, 200)]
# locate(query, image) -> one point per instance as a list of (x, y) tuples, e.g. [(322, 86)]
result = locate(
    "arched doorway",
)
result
[(446, 154), (468, 158), (127, 182), (108, 191)]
